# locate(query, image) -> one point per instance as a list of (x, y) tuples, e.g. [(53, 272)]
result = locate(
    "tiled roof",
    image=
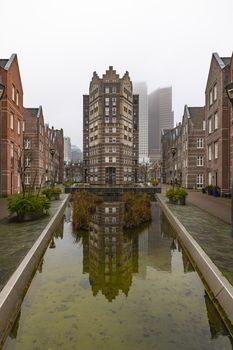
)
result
[(33, 111)]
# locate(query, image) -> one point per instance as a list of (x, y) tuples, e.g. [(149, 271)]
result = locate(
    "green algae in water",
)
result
[(107, 289)]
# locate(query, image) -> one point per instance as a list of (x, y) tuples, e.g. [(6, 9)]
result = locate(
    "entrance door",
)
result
[(110, 174)]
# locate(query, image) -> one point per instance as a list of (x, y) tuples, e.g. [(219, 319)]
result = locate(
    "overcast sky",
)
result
[(163, 42)]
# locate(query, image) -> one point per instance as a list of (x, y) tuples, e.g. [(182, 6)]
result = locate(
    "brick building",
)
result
[(56, 155), (11, 126), (193, 144), (110, 130), (218, 123), (36, 167)]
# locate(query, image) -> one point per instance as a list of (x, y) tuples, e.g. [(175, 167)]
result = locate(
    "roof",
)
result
[(33, 111), (196, 112), (222, 61), (3, 62)]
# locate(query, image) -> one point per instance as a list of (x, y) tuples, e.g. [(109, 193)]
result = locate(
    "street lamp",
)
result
[(229, 90), (2, 89), (173, 149)]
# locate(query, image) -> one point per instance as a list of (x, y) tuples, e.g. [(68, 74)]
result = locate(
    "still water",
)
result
[(106, 289)]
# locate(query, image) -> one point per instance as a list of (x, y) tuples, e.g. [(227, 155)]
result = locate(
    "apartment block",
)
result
[(110, 130), (11, 113), (218, 123), (67, 150)]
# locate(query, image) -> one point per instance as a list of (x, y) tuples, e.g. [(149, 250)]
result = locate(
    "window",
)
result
[(27, 179), (210, 125), (114, 101), (107, 129), (106, 159), (106, 101), (13, 92), (106, 210), (27, 161), (114, 89), (200, 181), (27, 144), (23, 126), (216, 150), (215, 92), (209, 152), (114, 119), (106, 149), (106, 139), (113, 149), (211, 97), (209, 178), (114, 159), (216, 121), (114, 140), (200, 160), (114, 130), (203, 125), (113, 210), (17, 97), (12, 121), (113, 110), (12, 150), (106, 119), (200, 143), (106, 110), (18, 127), (106, 89)]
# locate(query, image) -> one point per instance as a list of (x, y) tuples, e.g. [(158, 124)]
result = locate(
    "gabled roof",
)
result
[(6, 63), (3, 62), (222, 61), (35, 112)]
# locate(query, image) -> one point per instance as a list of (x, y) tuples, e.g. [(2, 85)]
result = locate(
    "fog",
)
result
[(60, 43)]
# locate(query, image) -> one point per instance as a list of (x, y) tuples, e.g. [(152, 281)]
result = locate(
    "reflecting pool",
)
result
[(109, 289)]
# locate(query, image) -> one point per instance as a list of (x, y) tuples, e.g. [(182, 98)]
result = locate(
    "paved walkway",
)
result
[(216, 206), (209, 231), (17, 238)]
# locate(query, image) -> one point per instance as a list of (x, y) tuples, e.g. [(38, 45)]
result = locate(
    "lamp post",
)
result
[(229, 91), (2, 89), (52, 152), (173, 149)]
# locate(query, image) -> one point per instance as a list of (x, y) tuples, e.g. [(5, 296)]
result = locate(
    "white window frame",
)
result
[(209, 152), (200, 143), (215, 92), (12, 117), (200, 181), (210, 125), (215, 120), (216, 150), (200, 161)]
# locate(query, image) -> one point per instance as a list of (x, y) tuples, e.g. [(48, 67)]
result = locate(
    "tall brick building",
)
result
[(110, 130), (11, 126), (218, 123)]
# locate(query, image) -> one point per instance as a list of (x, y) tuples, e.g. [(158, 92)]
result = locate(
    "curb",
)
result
[(220, 288), (12, 294)]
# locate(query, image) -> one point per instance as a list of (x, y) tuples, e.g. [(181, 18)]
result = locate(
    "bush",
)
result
[(68, 183), (137, 209), (173, 194), (52, 192), (84, 208), (28, 205), (154, 182)]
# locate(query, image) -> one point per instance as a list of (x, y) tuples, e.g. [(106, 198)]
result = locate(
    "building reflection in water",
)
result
[(111, 256)]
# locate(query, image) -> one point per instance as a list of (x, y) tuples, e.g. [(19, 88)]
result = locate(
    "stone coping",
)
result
[(220, 288), (13, 293)]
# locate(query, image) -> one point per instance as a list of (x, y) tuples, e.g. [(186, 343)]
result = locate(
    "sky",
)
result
[(163, 42)]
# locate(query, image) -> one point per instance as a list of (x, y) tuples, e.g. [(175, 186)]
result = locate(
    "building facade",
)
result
[(160, 117), (218, 123), (67, 150), (11, 126), (35, 169), (140, 89), (110, 130)]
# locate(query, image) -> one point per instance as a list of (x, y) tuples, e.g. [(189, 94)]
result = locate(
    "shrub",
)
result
[(137, 209), (68, 183), (173, 194), (51, 191), (83, 209), (154, 182), (28, 205)]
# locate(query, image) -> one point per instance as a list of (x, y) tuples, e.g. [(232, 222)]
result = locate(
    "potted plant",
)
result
[(52, 193), (171, 195), (28, 207), (216, 191), (181, 195), (209, 189)]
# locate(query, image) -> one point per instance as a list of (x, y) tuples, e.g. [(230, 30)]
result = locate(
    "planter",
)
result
[(173, 200), (55, 197), (210, 192), (27, 217), (216, 193), (182, 201)]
